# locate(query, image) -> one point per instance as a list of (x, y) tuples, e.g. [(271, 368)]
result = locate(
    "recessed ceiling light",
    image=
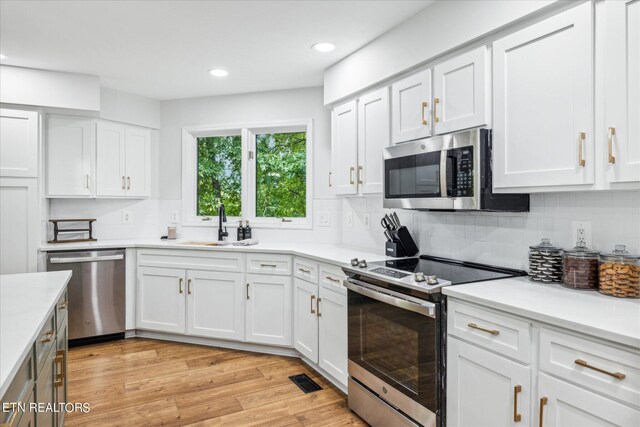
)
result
[(3, 56), (323, 47), (218, 72)]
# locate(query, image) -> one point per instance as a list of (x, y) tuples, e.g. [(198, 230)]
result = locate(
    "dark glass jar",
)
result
[(580, 268), (545, 262)]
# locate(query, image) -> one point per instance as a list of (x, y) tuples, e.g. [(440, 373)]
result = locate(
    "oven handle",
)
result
[(425, 308)]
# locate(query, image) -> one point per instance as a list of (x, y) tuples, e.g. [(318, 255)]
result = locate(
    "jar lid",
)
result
[(581, 250), (545, 244), (620, 251)]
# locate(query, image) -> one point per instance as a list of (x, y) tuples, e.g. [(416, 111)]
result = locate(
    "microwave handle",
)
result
[(452, 174)]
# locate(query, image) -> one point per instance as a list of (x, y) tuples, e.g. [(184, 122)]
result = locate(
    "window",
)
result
[(260, 173)]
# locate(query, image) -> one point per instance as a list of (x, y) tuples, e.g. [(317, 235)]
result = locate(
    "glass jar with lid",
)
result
[(580, 268), (545, 262), (620, 273)]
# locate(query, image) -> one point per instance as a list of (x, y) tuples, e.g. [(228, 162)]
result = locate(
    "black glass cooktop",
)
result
[(457, 272)]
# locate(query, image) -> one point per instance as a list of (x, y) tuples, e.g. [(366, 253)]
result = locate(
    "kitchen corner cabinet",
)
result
[(543, 124), (268, 309), (360, 132), (18, 143), (411, 109), (460, 98)]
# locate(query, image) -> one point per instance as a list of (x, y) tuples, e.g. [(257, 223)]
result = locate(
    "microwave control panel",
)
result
[(464, 171)]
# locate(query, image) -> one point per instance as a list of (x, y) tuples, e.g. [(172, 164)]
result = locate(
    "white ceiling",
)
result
[(163, 49)]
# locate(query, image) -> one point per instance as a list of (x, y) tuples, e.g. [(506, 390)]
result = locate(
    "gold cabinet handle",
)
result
[(436, 101), (312, 310), (318, 307), (123, 187), (180, 281), (330, 180), (612, 132), (247, 290), (63, 305), (425, 105), (618, 375), (302, 270), (49, 337), (582, 136), (360, 175), (516, 416), (491, 331), (59, 359), (189, 286), (332, 279), (351, 170), (87, 178), (543, 401), (128, 183), (268, 265)]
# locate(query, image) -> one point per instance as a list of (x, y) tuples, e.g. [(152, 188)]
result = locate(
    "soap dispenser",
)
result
[(240, 231), (247, 230)]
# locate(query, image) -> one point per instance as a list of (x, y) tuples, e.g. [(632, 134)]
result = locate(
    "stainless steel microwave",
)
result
[(447, 172)]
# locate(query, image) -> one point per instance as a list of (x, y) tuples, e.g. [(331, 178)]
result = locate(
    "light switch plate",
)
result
[(127, 217), (173, 217), (366, 221), (324, 219)]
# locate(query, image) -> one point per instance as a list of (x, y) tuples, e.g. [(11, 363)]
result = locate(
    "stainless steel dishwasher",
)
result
[(96, 293)]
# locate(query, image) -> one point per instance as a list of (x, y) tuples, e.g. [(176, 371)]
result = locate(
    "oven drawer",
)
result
[(502, 334), (269, 264), (374, 410), (305, 270), (600, 367)]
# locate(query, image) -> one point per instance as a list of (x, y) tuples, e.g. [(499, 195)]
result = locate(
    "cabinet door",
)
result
[(138, 163), (160, 299), (332, 312), (484, 389), (621, 73), (459, 92), (45, 390), (305, 319), (543, 102), (373, 136), (18, 143), (344, 148), (19, 226), (215, 304), (61, 368), (268, 308), (411, 108), (70, 145), (110, 159), (565, 405)]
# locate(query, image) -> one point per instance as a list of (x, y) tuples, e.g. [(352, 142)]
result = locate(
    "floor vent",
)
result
[(305, 383)]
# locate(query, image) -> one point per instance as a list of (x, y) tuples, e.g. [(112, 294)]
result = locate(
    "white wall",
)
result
[(129, 108), (504, 238)]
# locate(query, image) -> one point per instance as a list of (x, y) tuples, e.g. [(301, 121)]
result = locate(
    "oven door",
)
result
[(393, 349)]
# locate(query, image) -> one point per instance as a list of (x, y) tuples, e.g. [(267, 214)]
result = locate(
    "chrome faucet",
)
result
[(222, 217)]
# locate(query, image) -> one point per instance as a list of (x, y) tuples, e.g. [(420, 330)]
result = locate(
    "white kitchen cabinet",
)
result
[(344, 148), (70, 157), (305, 319), (138, 162), (484, 389), (621, 91), (543, 104), (215, 304), (268, 309), (160, 299), (562, 404), (410, 108), (460, 92), (373, 136), (332, 312), (19, 225), (18, 143)]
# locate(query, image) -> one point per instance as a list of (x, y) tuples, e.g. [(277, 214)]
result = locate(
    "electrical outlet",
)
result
[(349, 219), (173, 217), (324, 219), (581, 232), (366, 221), (127, 217)]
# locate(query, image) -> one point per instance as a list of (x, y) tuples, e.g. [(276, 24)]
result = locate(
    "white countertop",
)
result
[(589, 312), (323, 252), (25, 302)]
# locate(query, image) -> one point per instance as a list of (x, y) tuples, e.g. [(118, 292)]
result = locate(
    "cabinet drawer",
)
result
[(45, 341), (305, 269), (502, 334), (19, 390), (605, 369), (269, 264), (197, 260), (331, 277), (62, 306)]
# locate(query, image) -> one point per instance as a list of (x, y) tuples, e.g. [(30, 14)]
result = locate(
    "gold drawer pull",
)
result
[(612, 158), (49, 337), (332, 279), (330, 180), (351, 170), (543, 401), (59, 359), (360, 175), (302, 270), (582, 136), (189, 286), (180, 281), (516, 416), (63, 305), (312, 310), (436, 119), (268, 265), (318, 307), (425, 105), (618, 375), (491, 331)]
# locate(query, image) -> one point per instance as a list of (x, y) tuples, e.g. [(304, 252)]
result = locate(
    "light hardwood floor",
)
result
[(141, 382)]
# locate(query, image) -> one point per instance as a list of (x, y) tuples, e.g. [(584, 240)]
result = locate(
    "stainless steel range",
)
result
[(397, 336)]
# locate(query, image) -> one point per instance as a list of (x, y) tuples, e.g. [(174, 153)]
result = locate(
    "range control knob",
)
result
[(419, 277), (354, 262), (432, 280), (362, 264)]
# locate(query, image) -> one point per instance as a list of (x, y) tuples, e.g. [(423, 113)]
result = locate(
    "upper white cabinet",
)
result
[(344, 148), (460, 92), (18, 143), (70, 157), (543, 103), (621, 91), (373, 136), (138, 162), (19, 225), (410, 109)]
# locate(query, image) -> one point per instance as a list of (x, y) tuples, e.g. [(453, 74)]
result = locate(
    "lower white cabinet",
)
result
[(215, 304), (268, 309), (160, 299), (332, 312), (305, 318), (485, 389)]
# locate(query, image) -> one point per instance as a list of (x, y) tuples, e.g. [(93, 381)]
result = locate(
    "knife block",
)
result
[(403, 236), (394, 249)]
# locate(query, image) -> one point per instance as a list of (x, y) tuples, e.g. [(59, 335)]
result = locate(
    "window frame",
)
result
[(247, 132)]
